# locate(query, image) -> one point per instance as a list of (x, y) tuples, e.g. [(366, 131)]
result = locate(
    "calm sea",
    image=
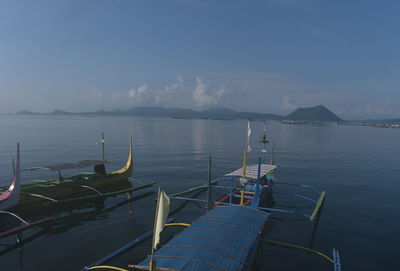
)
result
[(359, 167)]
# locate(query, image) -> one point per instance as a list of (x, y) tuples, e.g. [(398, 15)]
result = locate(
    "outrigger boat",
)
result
[(227, 237), (40, 201), (83, 186)]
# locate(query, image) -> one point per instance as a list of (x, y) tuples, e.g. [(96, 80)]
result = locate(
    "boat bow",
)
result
[(127, 169), (11, 196)]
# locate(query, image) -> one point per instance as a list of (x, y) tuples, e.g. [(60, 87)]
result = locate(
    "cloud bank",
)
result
[(198, 94)]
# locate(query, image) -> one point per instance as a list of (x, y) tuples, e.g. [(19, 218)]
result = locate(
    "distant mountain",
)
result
[(26, 112), (315, 113), (215, 113), (60, 112)]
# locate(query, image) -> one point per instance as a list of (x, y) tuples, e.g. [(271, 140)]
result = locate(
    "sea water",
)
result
[(359, 167)]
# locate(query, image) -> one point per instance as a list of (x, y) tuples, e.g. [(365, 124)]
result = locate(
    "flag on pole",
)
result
[(248, 136), (161, 216)]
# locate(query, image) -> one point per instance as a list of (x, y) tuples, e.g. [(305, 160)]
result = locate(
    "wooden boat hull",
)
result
[(33, 206)]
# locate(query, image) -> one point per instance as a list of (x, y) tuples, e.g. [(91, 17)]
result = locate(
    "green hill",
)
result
[(315, 113)]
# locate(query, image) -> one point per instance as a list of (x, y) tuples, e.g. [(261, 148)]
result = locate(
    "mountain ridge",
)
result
[(314, 113), (149, 111)]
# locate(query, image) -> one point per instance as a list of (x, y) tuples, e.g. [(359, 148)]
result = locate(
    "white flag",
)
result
[(248, 136), (161, 216)]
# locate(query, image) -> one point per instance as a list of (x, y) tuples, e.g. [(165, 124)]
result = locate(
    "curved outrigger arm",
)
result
[(11, 196), (318, 206)]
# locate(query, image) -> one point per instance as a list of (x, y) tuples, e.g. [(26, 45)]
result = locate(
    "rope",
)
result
[(298, 247), (107, 267)]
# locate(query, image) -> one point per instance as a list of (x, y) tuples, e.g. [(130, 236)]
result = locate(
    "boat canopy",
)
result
[(252, 171), (225, 238), (80, 164)]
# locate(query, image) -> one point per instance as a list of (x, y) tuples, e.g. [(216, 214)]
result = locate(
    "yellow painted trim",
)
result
[(177, 224), (107, 267), (298, 247)]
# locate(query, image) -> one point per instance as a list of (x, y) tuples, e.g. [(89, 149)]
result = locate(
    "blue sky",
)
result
[(267, 56)]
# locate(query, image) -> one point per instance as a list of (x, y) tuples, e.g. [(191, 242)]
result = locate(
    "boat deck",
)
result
[(225, 238), (252, 171)]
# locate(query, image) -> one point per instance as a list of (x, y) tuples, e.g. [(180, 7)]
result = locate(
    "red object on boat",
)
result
[(236, 193)]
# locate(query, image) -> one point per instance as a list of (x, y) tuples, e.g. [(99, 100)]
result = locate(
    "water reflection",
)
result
[(198, 138), (63, 221)]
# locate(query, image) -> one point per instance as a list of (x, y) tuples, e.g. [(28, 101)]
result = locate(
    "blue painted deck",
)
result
[(225, 238)]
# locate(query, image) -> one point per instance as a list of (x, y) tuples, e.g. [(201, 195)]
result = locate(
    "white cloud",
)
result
[(96, 94), (174, 92), (141, 94), (178, 94), (287, 104), (203, 96), (239, 90)]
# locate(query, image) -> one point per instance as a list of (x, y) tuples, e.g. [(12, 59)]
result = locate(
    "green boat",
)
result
[(41, 195)]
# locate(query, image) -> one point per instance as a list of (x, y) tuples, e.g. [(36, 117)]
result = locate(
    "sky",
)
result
[(269, 56)]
